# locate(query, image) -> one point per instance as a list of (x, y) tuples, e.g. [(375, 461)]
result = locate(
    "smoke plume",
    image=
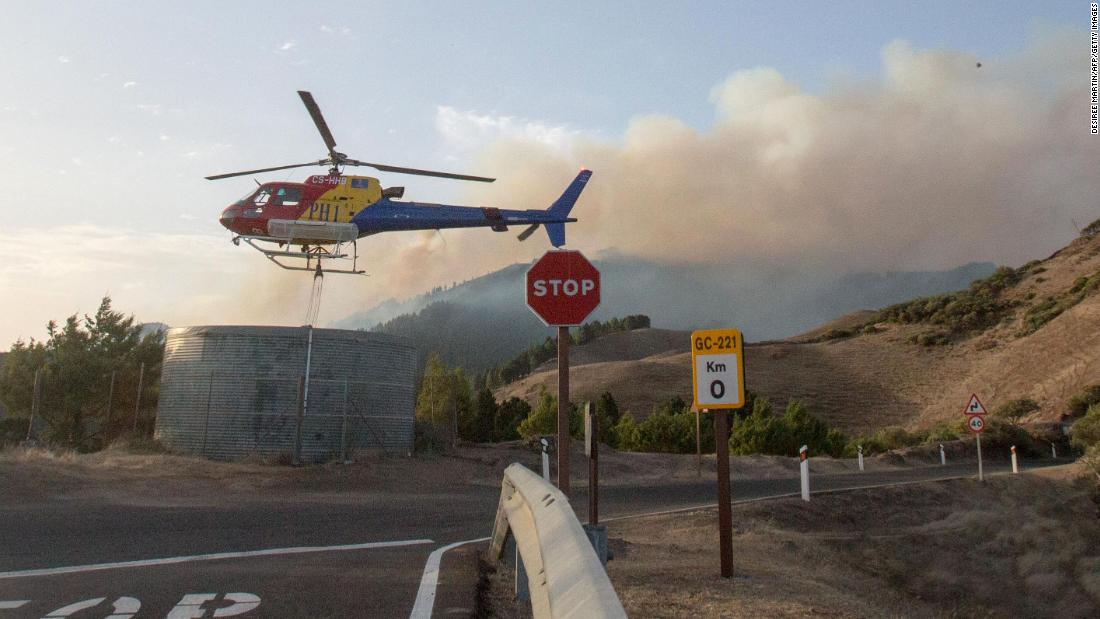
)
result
[(931, 164)]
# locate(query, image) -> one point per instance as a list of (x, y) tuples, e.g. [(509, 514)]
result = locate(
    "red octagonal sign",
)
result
[(563, 288)]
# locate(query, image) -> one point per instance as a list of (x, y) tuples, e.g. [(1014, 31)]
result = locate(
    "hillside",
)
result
[(882, 378), (483, 322), (623, 346)]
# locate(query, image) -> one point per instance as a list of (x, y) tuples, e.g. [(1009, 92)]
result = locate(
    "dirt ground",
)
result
[(1026, 545), (30, 475)]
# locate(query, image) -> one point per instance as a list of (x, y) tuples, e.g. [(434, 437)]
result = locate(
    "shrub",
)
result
[(428, 438), (1080, 403), (1091, 230), (836, 334), (1038, 315), (887, 439), (626, 433), (961, 313), (1085, 432), (510, 413), (670, 429), (1000, 435), (543, 419), (13, 430), (1015, 410), (764, 433), (941, 432)]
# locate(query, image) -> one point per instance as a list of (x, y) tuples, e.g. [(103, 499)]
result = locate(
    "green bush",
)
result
[(886, 439), (1091, 230), (428, 438), (1085, 432), (1080, 403), (961, 313), (762, 432), (836, 334), (999, 435), (1038, 315), (543, 419), (510, 413), (670, 429), (941, 432), (1015, 410), (13, 430)]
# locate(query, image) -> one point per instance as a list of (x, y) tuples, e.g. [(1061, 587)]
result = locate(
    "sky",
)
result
[(778, 136)]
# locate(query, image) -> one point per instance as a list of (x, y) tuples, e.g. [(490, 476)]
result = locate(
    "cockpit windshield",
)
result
[(256, 198)]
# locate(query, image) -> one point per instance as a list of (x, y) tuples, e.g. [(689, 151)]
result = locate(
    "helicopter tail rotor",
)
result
[(523, 236)]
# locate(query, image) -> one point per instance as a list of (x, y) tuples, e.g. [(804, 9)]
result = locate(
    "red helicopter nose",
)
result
[(229, 217)]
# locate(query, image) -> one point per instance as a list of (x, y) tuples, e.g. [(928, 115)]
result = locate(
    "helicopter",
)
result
[(317, 220)]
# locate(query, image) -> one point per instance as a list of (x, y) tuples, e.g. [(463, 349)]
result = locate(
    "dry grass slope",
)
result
[(877, 379), (1020, 546)]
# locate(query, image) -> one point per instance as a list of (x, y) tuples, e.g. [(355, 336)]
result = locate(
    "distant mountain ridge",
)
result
[(481, 322), (1042, 342)]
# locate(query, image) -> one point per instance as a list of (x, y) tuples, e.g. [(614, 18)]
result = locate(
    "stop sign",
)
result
[(563, 288)]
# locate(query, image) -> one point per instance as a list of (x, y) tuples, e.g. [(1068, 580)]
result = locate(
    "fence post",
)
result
[(297, 459), (110, 409), (804, 467), (206, 422), (36, 395), (344, 426), (545, 459), (698, 443), (137, 403)]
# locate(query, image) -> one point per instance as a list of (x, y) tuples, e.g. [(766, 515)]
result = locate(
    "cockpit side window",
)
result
[(262, 196), (288, 196)]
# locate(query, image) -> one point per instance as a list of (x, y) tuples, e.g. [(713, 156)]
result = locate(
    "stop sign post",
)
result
[(562, 289)]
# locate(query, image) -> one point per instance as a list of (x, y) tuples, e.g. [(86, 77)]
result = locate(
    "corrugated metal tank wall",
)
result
[(231, 391)]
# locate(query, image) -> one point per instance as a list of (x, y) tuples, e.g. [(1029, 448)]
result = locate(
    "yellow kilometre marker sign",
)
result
[(718, 369)]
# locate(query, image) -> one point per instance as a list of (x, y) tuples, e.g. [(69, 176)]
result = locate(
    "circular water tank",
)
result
[(228, 392)]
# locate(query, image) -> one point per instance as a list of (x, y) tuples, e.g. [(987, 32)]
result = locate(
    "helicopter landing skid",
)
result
[(309, 253)]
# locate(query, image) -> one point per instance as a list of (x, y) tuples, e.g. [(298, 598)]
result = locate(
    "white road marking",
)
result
[(10, 604), (242, 603), (425, 596), (190, 607), (75, 569), (75, 607)]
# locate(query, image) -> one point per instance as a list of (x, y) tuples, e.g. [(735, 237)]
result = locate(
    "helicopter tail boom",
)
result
[(561, 207)]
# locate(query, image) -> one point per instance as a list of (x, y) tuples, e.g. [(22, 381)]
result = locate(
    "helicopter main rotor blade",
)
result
[(319, 120), (399, 170), (282, 167)]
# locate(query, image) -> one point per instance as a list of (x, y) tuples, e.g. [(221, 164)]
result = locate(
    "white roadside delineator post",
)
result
[(804, 465), (943, 457), (1015, 469), (860, 449), (1053, 452), (545, 460)]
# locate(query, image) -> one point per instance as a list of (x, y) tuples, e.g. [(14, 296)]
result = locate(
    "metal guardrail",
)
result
[(564, 574)]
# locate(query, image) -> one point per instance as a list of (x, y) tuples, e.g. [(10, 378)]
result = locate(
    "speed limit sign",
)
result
[(718, 369), (975, 423)]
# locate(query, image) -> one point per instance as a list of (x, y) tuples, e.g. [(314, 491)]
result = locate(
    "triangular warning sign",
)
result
[(975, 406)]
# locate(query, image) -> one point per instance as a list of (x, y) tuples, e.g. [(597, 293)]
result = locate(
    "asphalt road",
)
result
[(359, 582)]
